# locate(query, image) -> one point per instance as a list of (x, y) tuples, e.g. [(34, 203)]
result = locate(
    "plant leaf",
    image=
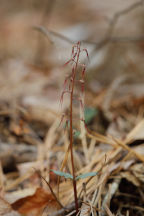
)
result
[(76, 134), (90, 113), (5, 207), (62, 174), (36, 203), (90, 174)]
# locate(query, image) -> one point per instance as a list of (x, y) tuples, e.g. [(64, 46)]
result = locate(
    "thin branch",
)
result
[(118, 14), (111, 39), (49, 34), (108, 35), (51, 190), (65, 210)]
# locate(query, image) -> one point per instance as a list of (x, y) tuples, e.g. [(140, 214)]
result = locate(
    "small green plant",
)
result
[(69, 176), (78, 70)]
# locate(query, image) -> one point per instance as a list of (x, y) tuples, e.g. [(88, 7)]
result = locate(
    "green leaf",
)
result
[(76, 134), (90, 174), (90, 113), (62, 174), (66, 125)]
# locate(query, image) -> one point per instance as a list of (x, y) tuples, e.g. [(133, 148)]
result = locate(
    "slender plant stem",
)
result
[(52, 191), (71, 130)]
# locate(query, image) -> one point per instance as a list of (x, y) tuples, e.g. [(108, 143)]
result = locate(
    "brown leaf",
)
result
[(35, 204)]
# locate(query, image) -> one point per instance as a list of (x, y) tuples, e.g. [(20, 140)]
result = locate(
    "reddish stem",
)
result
[(75, 60), (71, 128)]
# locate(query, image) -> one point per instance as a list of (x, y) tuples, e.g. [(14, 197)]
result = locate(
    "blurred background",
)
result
[(36, 38)]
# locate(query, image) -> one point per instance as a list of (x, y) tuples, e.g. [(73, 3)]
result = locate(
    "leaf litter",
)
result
[(108, 155)]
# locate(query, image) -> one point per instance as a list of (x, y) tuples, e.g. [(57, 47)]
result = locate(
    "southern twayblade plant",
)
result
[(78, 70)]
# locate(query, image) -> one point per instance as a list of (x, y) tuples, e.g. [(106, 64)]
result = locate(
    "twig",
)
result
[(114, 20), (111, 39), (50, 34), (108, 35), (51, 190), (118, 14), (65, 210), (109, 213), (109, 195)]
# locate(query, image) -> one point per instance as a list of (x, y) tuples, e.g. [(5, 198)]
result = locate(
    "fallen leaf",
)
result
[(5, 207), (34, 205), (136, 132)]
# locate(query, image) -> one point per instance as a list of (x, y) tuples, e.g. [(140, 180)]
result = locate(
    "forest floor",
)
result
[(36, 41)]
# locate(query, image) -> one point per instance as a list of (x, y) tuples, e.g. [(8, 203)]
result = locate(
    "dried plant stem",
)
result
[(52, 191), (83, 130)]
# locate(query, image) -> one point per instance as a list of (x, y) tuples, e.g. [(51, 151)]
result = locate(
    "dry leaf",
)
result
[(85, 210), (5, 207), (137, 132), (138, 171), (131, 178), (34, 205)]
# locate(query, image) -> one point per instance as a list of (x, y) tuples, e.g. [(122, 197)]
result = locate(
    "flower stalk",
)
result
[(71, 81)]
